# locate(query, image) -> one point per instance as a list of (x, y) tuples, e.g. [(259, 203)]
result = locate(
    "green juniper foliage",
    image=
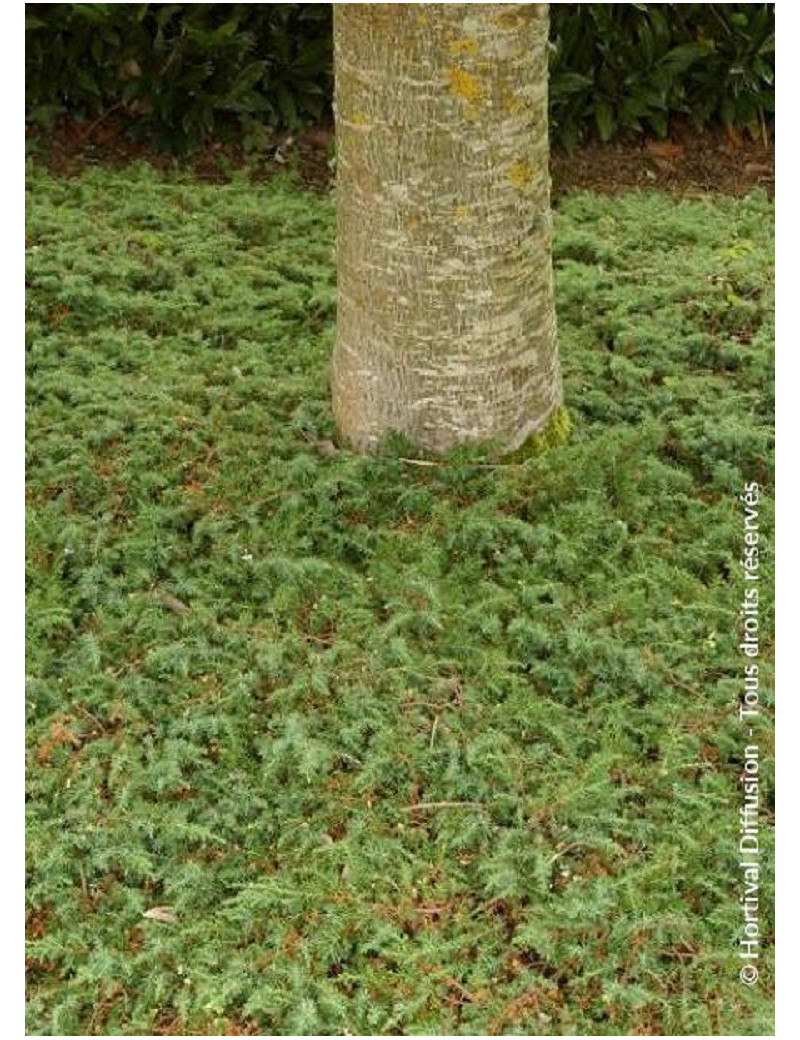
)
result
[(406, 749)]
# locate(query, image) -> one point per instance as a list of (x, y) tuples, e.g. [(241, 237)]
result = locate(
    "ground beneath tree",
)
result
[(323, 745), (690, 162)]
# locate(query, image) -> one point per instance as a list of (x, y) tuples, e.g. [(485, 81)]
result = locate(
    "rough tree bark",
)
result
[(446, 321)]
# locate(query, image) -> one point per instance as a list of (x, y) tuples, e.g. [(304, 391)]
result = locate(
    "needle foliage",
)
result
[(403, 749)]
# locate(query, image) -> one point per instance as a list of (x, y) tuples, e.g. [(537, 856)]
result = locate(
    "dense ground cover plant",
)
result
[(184, 72), (447, 749)]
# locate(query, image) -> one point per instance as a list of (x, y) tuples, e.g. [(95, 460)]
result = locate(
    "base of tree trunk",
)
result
[(446, 323), (556, 431)]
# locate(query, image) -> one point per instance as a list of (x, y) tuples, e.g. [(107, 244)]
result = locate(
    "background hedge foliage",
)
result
[(184, 73)]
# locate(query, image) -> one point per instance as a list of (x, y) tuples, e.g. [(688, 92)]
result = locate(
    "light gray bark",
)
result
[(446, 321)]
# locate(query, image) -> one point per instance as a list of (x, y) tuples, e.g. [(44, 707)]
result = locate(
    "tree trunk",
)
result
[(446, 320)]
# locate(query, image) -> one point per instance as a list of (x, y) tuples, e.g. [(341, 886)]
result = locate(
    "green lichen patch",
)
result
[(555, 434)]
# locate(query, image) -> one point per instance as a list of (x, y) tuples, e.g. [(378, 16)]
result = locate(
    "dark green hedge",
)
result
[(181, 72), (186, 72), (630, 67)]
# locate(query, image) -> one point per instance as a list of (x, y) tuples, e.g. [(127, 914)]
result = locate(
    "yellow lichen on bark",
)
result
[(520, 174), (464, 85), (465, 46)]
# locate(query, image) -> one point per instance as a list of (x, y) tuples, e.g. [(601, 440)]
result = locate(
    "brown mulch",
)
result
[(689, 163)]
